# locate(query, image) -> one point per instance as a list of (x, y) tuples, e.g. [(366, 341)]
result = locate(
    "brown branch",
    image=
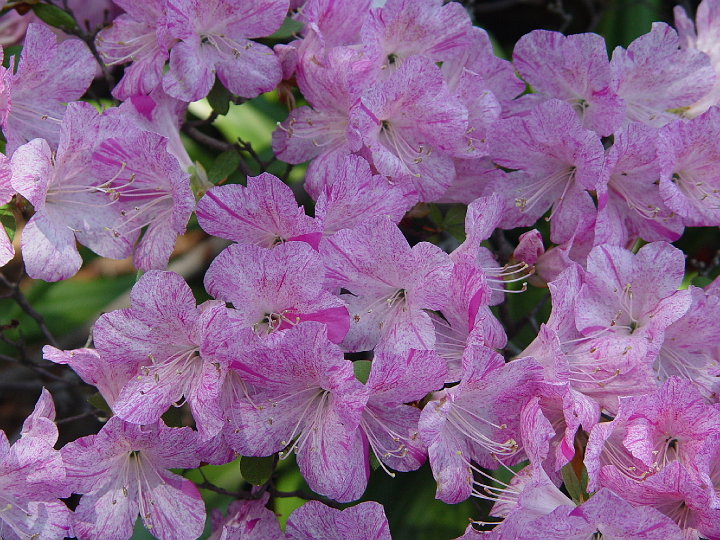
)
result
[(17, 295), (267, 487), (198, 136)]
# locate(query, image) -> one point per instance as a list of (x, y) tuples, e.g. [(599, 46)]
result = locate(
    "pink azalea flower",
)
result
[(313, 520), (331, 82), (390, 285), (575, 69), (688, 153), (109, 378), (353, 194), (49, 75), (173, 343), (705, 39), (655, 77), (264, 213), (138, 36), (70, 202), (411, 125), (161, 114), (633, 206), (625, 304), (689, 347), (605, 514), (32, 477), (651, 451), (246, 520), (272, 290), (608, 323), (473, 178), (405, 28), (307, 399), (390, 426), (476, 421), (337, 21), (561, 162), (466, 319), (478, 57), (122, 472), (214, 40), (151, 190)]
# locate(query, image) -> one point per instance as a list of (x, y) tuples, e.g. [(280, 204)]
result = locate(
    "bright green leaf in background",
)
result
[(223, 166), (54, 16)]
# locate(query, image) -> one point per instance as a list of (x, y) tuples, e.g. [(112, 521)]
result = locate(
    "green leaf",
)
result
[(219, 98), (257, 470), (701, 281), (223, 166), (172, 417), (362, 370), (374, 462), (572, 484), (13, 51), (454, 222), (8, 220), (456, 215), (54, 16), (435, 214), (97, 401), (288, 28)]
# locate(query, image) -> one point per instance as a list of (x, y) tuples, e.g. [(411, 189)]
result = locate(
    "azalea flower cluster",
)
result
[(609, 418)]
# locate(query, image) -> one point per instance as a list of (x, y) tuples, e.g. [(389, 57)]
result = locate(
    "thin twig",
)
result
[(300, 494), (209, 120), (199, 136), (89, 414), (26, 361), (267, 487), (247, 147), (21, 301)]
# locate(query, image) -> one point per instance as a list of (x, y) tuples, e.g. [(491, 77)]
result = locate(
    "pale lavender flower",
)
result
[(405, 28), (264, 213), (307, 399), (560, 163), (173, 343), (49, 76), (272, 290), (575, 69), (657, 79), (314, 520), (138, 36), (70, 202), (390, 285), (214, 40), (151, 190), (411, 126), (32, 477), (246, 520), (122, 472)]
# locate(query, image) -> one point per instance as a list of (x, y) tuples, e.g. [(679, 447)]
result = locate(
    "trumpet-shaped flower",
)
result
[(214, 40), (389, 284), (307, 399), (122, 472), (173, 343)]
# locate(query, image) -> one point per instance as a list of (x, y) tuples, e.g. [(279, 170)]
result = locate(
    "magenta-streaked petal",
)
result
[(190, 76), (49, 250)]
